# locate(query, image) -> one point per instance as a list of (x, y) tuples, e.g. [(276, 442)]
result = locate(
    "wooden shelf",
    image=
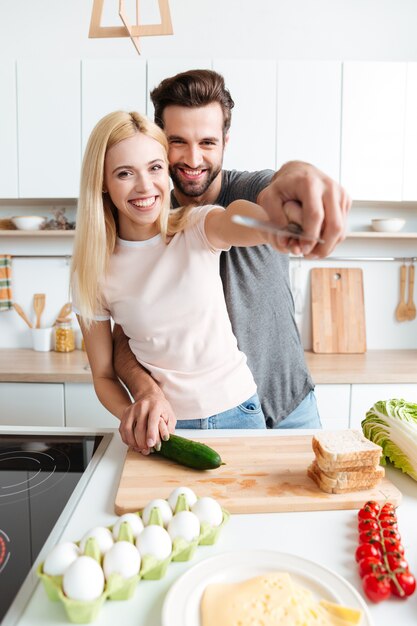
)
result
[(375, 235), (37, 233)]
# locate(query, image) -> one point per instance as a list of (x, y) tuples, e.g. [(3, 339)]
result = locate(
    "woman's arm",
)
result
[(221, 231), (99, 346)]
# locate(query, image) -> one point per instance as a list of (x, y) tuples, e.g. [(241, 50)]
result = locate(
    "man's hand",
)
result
[(148, 420), (301, 193)]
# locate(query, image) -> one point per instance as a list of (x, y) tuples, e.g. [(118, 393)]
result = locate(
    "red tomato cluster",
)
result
[(380, 554)]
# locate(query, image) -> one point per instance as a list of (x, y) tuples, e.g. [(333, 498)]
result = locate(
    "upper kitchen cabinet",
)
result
[(308, 114), (252, 85), (373, 128), (8, 131), (410, 135), (49, 128), (111, 85)]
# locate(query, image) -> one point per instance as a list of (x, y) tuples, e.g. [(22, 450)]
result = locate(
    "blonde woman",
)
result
[(155, 271)]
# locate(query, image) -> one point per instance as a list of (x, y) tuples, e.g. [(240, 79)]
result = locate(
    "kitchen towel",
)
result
[(6, 302)]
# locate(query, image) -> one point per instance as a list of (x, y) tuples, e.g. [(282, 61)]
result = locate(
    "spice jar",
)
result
[(64, 336)]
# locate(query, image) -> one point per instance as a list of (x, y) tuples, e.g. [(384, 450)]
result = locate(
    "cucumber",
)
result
[(190, 453)]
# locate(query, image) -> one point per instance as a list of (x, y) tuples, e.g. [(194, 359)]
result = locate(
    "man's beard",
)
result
[(191, 188)]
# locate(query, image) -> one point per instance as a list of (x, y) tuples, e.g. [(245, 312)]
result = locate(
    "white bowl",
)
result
[(28, 222), (389, 225)]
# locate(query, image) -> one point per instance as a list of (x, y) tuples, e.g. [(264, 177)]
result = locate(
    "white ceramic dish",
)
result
[(28, 222), (182, 602), (389, 225)]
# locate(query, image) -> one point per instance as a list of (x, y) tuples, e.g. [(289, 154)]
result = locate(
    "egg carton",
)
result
[(118, 588)]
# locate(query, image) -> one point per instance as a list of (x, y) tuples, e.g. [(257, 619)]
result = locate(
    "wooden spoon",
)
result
[(411, 307), (22, 314), (401, 312), (38, 306), (64, 312)]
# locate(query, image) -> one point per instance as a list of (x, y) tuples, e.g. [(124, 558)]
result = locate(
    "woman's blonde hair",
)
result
[(96, 230)]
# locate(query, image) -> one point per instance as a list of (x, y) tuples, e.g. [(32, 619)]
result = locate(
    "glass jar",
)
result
[(64, 336)]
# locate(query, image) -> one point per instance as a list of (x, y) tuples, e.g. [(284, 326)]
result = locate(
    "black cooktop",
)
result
[(38, 474)]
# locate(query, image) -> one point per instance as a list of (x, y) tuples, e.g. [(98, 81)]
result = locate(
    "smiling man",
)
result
[(194, 109)]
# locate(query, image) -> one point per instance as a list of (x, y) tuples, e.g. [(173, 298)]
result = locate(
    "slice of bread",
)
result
[(366, 464), (352, 479), (342, 449), (331, 485)]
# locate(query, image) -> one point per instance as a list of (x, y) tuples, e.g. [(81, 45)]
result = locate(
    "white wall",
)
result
[(364, 30)]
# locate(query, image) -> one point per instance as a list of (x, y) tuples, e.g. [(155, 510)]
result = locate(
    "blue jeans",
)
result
[(247, 415), (306, 415)]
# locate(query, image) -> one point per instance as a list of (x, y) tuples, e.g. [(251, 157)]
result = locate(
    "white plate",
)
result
[(182, 603)]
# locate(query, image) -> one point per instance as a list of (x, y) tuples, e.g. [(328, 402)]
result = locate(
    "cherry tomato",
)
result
[(392, 545), (391, 533), (368, 524), (366, 549), (396, 561), (388, 517), (367, 513), (388, 508), (370, 536), (388, 524), (377, 587), (373, 537), (371, 565), (406, 584), (372, 505)]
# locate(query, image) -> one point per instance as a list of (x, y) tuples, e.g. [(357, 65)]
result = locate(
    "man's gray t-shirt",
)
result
[(261, 308)]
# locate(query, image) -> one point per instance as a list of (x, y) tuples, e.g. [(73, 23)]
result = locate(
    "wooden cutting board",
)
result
[(261, 475), (338, 312)]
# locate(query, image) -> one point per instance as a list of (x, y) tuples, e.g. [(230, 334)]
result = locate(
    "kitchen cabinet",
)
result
[(333, 402), (410, 135), (82, 408), (8, 131), (309, 114), (365, 396), (32, 404), (252, 86), (49, 123), (373, 125), (110, 85)]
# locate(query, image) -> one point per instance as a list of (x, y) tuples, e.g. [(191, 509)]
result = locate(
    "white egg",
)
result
[(134, 522), (188, 493), (103, 537), (122, 558), (154, 541), (60, 558), (208, 510), (184, 524), (160, 504), (83, 579)]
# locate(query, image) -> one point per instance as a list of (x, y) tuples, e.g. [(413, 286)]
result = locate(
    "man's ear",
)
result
[(226, 139)]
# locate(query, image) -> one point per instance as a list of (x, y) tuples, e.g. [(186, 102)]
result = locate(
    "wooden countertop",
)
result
[(373, 367)]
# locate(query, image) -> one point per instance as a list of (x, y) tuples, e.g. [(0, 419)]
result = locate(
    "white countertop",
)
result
[(329, 538)]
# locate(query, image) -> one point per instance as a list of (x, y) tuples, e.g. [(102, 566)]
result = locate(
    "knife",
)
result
[(293, 230)]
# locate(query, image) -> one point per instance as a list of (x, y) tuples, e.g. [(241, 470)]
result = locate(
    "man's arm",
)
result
[(145, 419), (301, 193)]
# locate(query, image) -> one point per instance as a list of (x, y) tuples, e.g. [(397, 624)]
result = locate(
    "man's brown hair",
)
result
[(195, 88)]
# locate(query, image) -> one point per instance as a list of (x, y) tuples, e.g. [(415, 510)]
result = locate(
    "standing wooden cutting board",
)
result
[(261, 475), (337, 311)]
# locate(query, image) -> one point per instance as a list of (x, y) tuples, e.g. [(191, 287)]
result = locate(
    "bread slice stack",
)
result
[(345, 461)]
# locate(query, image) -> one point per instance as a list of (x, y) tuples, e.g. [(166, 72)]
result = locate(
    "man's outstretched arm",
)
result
[(301, 193)]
